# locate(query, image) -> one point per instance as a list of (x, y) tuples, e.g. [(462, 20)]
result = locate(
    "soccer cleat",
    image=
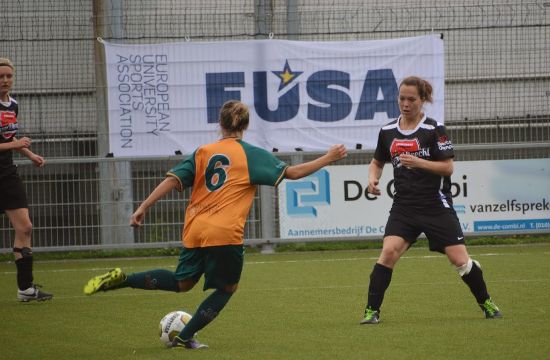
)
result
[(33, 293), (191, 344), (371, 316), (490, 309), (104, 282)]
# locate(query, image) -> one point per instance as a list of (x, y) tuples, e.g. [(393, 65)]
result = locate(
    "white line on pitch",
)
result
[(247, 263)]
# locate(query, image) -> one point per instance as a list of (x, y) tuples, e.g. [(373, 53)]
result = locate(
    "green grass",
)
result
[(292, 305), (289, 247)]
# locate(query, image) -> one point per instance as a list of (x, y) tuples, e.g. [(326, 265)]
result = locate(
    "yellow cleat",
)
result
[(107, 281)]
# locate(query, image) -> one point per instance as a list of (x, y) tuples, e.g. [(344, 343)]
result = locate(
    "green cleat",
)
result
[(371, 316), (107, 281), (490, 310)]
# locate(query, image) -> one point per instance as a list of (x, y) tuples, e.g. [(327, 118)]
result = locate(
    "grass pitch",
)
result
[(292, 306)]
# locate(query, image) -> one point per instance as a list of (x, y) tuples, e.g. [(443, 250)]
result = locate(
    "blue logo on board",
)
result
[(460, 209), (302, 195)]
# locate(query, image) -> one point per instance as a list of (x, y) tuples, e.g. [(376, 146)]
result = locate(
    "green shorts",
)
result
[(221, 265)]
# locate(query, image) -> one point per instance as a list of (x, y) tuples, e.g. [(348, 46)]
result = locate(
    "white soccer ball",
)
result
[(171, 325)]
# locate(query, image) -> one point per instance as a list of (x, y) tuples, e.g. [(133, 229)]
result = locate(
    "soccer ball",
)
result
[(171, 325)]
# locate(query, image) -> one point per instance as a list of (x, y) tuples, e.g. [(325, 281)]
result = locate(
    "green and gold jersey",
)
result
[(224, 176)]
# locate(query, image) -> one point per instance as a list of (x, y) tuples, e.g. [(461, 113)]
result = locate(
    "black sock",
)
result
[(474, 280), (379, 281), (158, 279), (24, 272), (207, 311)]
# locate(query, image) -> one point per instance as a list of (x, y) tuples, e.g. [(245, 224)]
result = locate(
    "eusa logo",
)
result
[(301, 195), (327, 93)]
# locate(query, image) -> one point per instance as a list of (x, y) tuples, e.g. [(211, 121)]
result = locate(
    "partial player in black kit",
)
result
[(422, 159), (13, 200)]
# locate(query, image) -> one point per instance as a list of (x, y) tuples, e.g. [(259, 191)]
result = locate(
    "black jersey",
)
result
[(417, 187), (8, 130)]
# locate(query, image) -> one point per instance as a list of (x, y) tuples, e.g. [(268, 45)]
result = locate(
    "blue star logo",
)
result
[(287, 75)]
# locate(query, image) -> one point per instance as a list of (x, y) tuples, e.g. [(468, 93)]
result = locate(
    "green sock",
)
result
[(157, 279), (206, 312)]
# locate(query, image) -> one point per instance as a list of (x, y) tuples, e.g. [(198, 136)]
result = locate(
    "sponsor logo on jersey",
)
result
[(407, 146), (8, 124), (302, 195), (400, 146), (444, 143)]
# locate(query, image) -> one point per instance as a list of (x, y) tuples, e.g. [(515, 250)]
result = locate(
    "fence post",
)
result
[(293, 20), (267, 218), (115, 177)]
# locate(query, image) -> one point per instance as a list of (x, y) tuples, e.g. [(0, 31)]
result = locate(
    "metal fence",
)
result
[(497, 95)]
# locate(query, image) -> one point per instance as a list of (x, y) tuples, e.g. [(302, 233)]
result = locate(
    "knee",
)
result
[(24, 230), (186, 285), (389, 257), (465, 268), (231, 289)]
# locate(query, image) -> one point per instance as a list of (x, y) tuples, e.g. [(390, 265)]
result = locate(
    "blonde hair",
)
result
[(425, 89), (234, 116), (6, 62)]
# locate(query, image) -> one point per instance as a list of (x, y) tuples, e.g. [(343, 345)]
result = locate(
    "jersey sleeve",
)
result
[(382, 152), (263, 167), (443, 147), (184, 172)]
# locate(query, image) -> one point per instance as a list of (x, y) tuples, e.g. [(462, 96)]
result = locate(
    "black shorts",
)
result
[(12, 193), (221, 265), (441, 227)]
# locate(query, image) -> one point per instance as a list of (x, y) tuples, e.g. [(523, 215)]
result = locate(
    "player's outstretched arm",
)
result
[(335, 153), (169, 184)]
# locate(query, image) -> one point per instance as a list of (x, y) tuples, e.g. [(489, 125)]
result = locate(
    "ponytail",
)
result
[(234, 116)]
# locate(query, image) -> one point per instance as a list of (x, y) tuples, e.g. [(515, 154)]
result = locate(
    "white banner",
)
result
[(165, 98), (488, 196)]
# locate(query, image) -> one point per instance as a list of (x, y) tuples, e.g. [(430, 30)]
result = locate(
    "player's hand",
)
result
[(137, 218), (37, 160), (21, 143), (337, 152), (408, 160), (373, 187)]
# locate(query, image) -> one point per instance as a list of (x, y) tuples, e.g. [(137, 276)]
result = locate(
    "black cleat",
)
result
[(33, 293)]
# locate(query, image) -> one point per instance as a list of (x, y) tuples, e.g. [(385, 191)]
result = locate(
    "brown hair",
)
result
[(425, 89), (6, 62), (234, 116)]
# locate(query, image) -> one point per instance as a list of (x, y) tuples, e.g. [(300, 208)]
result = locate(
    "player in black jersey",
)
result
[(422, 159), (13, 200)]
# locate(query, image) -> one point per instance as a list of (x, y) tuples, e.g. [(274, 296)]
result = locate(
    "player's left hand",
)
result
[(137, 218), (37, 160), (337, 152)]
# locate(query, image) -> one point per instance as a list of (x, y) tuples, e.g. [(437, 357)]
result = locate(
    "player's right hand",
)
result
[(373, 187), (22, 143)]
